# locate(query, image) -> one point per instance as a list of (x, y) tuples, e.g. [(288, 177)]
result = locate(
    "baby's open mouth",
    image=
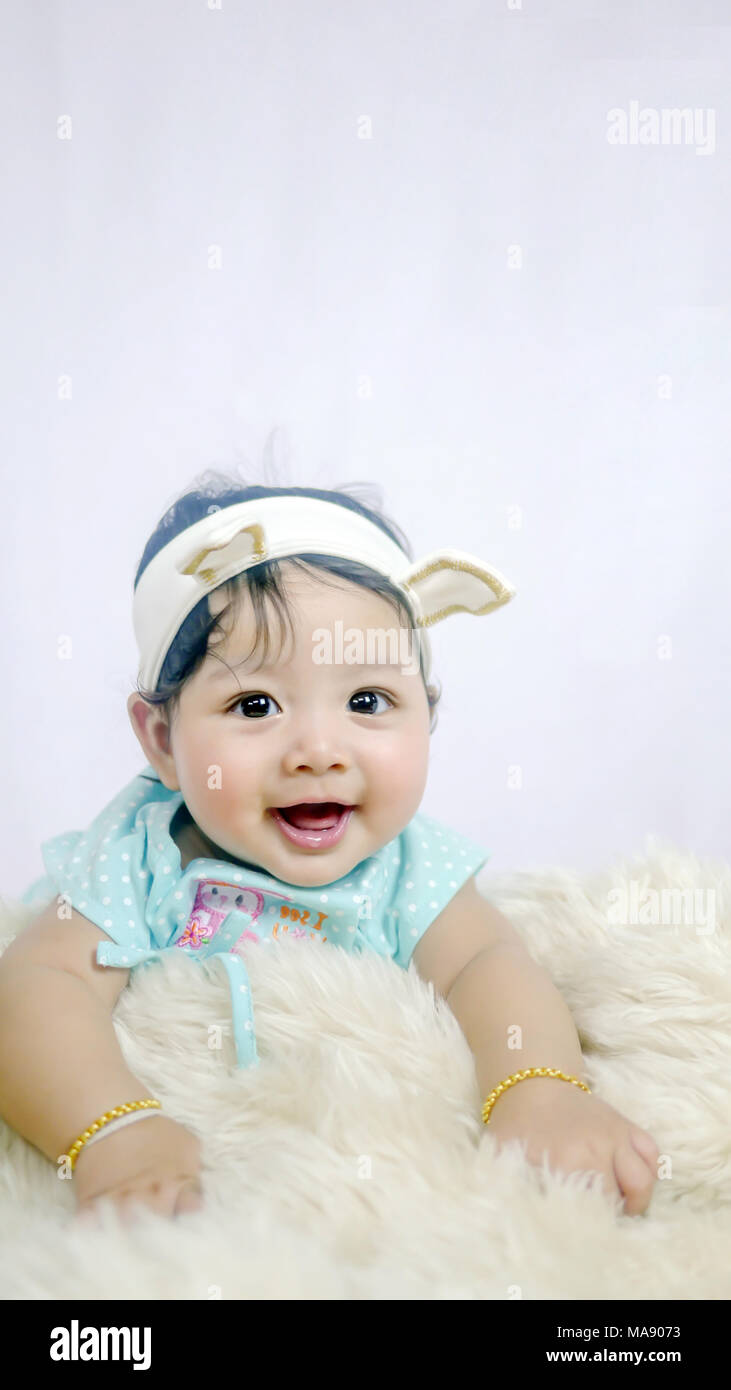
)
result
[(313, 815)]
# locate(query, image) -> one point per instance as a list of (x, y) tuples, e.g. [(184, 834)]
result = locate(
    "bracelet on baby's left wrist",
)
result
[(528, 1073)]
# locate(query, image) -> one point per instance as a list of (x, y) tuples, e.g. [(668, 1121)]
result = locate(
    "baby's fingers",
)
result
[(87, 1216), (635, 1179), (646, 1146), (190, 1196), (130, 1203)]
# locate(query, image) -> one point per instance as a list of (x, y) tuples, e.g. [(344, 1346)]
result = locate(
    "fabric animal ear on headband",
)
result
[(451, 581), (245, 545), (230, 540)]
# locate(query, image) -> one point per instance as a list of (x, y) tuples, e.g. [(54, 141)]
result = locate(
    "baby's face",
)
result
[(246, 741)]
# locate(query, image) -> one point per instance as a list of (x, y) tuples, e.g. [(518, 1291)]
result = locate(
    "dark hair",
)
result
[(263, 582)]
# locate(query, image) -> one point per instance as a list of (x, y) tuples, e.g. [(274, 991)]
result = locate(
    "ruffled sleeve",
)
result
[(424, 868), (101, 872)]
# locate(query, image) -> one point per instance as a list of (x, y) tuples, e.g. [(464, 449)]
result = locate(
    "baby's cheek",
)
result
[(227, 805), (402, 772), (409, 759)]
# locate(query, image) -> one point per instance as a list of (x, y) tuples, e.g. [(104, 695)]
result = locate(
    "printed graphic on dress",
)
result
[(214, 901)]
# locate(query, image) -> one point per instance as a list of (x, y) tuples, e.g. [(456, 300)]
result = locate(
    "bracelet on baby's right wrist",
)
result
[(112, 1119)]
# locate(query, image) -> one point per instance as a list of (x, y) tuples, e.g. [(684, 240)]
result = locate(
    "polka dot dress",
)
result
[(124, 874)]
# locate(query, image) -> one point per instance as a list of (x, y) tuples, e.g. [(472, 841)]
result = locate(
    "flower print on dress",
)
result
[(215, 900)]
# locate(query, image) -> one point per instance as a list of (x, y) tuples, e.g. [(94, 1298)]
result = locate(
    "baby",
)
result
[(286, 726)]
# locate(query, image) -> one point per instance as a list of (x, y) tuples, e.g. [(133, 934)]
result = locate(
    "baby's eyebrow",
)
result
[(222, 671), (375, 666)]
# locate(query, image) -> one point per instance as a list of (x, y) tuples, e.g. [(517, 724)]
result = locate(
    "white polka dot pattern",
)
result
[(124, 874)]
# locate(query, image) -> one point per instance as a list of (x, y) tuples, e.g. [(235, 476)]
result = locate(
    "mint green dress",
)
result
[(124, 874)]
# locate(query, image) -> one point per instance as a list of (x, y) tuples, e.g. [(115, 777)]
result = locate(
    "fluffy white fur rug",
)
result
[(353, 1163)]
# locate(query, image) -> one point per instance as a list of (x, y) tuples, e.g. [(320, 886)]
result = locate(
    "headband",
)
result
[(232, 539)]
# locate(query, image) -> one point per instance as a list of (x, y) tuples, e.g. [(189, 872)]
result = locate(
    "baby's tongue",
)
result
[(322, 816)]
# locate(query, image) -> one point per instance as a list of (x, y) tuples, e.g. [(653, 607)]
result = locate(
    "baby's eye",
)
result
[(256, 705), (367, 696)]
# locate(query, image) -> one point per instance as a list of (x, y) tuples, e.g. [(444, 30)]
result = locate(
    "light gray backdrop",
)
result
[(475, 253)]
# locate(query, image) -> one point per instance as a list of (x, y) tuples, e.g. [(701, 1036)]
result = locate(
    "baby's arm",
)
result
[(61, 1065), (514, 1019)]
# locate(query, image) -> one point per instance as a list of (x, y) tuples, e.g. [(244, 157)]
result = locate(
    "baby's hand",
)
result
[(580, 1132), (154, 1162)]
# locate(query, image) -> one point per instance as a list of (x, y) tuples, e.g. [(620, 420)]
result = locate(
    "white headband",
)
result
[(232, 539)]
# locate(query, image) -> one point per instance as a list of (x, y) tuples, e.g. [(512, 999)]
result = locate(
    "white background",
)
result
[(565, 418)]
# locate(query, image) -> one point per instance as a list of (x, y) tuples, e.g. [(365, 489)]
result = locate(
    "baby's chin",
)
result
[(312, 871), (299, 868), (269, 851)]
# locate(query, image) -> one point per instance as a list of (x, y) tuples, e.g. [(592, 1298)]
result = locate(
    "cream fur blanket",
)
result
[(353, 1164)]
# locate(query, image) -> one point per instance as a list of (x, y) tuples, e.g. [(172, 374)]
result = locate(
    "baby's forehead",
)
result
[(307, 597), (263, 638)]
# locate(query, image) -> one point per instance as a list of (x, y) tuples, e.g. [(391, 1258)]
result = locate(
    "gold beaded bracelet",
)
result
[(106, 1119), (521, 1076)]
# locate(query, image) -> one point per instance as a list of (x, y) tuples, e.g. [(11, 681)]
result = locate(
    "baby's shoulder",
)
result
[(425, 836)]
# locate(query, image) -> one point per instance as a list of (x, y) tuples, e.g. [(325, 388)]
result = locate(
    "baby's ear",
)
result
[(452, 581), (153, 735)]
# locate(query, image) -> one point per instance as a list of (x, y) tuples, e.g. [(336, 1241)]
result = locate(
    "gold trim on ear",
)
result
[(210, 574), (502, 593)]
